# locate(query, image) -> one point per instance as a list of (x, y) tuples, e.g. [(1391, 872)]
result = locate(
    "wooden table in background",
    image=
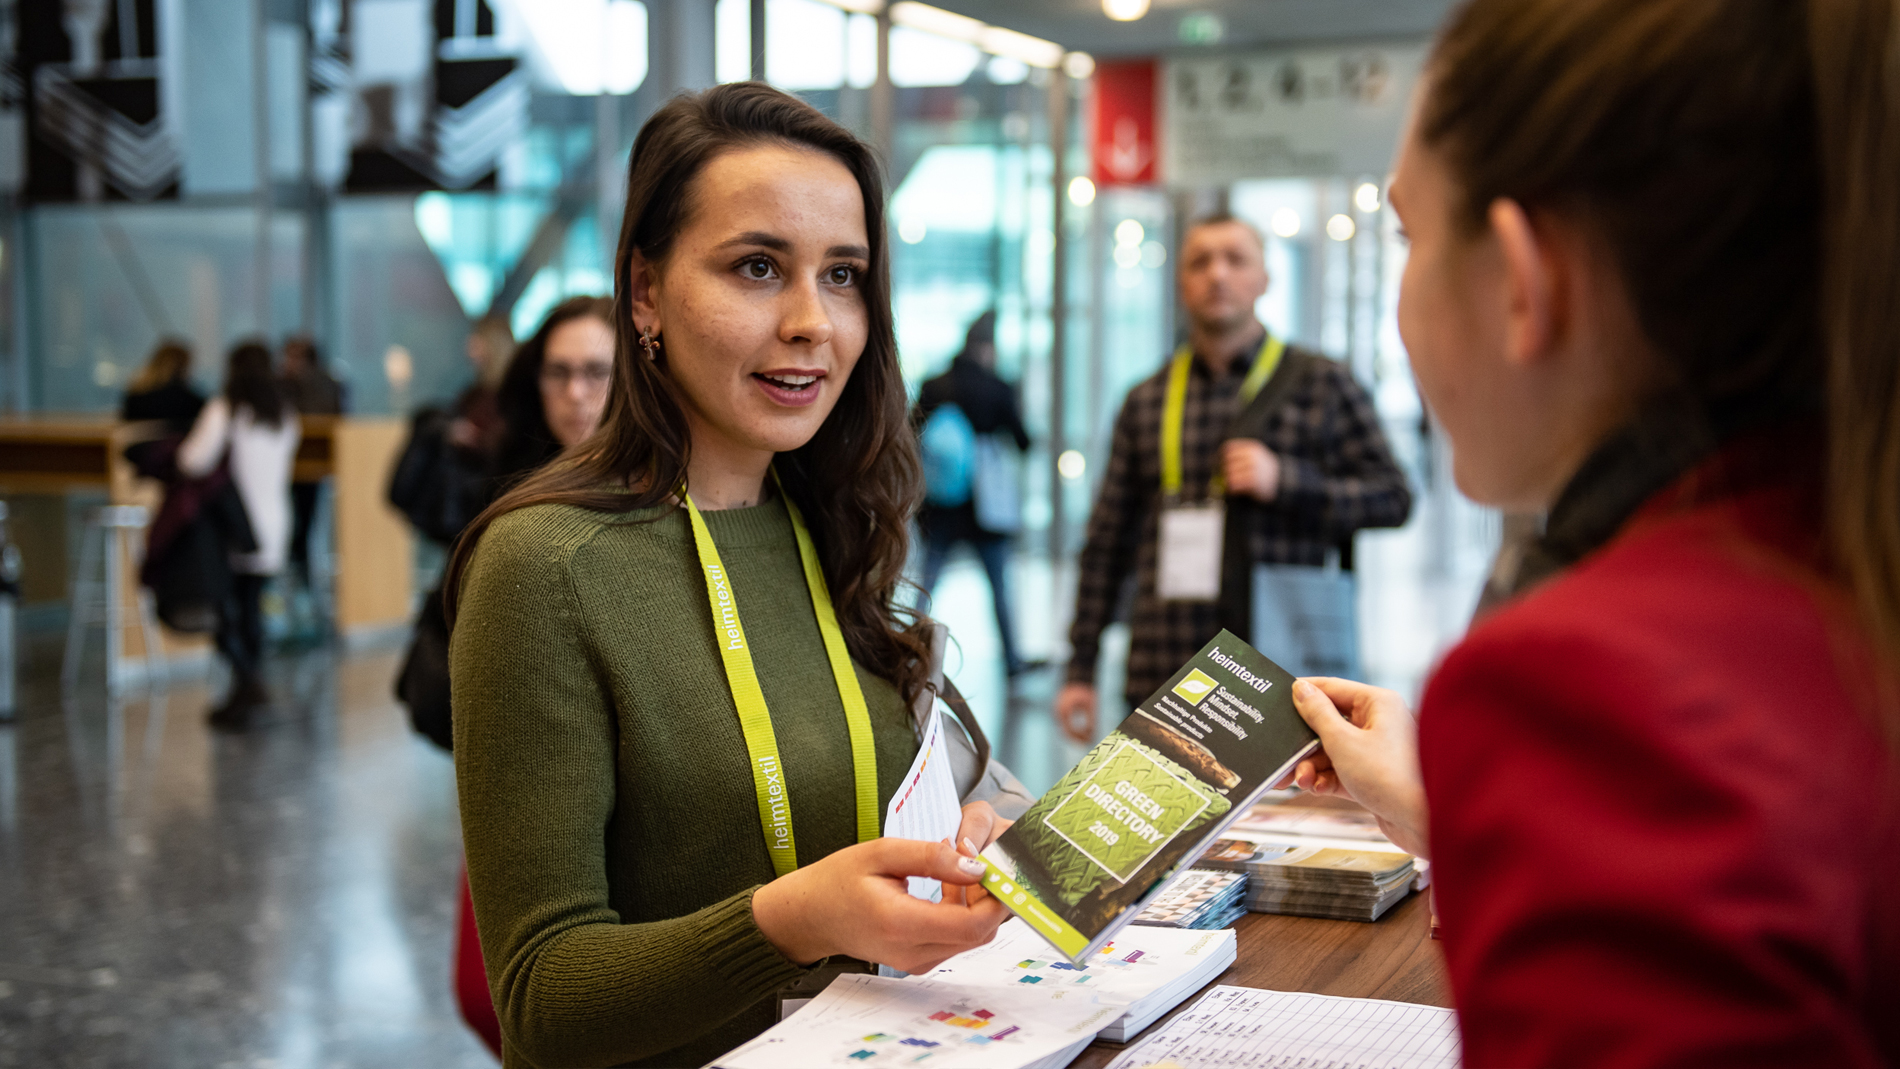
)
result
[(1392, 958), (55, 454)]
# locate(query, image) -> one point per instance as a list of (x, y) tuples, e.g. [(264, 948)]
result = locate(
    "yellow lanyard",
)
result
[(1174, 412), (768, 771)]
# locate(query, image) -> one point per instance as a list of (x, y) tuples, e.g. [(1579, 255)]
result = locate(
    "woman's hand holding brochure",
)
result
[(857, 902), (1369, 753)]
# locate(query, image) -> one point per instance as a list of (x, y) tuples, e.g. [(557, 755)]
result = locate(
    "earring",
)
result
[(651, 343)]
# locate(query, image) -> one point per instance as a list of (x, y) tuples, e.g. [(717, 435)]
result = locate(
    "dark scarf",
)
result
[(1652, 451)]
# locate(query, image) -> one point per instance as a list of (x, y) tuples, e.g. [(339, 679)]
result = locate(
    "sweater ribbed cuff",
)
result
[(731, 944)]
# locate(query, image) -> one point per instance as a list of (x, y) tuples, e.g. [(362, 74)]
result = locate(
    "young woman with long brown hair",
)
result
[(1654, 289), (681, 686)]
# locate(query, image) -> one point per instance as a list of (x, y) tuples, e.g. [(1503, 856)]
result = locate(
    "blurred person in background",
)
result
[(1293, 476), (963, 417), (555, 389), (551, 398), (162, 389), (310, 389), (250, 429), (478, 425), (1651, 292), (442, 478)]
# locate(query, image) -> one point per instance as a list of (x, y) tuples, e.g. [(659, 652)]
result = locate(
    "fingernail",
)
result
[(1303, 689), (971, 866), (970, 846)]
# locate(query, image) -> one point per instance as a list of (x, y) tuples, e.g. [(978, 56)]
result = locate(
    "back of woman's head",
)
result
[(856, 481), (1741, 162), (169, 363), (527, 439), (250, 382)]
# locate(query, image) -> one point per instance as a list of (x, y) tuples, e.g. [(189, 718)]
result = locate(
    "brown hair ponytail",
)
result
[(1741, 160), (1855, 45), (857, 481)]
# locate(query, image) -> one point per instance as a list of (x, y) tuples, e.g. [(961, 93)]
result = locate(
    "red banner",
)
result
[(1122, 139)]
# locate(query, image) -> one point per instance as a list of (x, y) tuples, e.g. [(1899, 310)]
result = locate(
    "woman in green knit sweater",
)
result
[(681, 684)]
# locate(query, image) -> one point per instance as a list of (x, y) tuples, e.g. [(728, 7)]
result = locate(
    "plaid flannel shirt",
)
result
[(1337, 476)]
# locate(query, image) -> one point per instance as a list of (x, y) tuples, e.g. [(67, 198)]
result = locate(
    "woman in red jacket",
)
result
[(1654, 292)]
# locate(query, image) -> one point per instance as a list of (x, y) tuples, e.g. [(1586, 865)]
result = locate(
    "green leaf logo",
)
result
[(1196, 687)]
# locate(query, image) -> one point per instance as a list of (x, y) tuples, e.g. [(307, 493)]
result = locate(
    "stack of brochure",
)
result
[(1200, 899), (1307, 880)]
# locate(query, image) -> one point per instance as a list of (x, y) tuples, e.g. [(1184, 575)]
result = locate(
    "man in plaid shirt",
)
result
[(1315, 470)]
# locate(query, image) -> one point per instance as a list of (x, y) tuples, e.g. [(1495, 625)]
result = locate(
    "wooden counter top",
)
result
[(1392, 958)]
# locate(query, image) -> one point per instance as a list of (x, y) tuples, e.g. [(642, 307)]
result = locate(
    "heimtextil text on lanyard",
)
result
[(755, 720)]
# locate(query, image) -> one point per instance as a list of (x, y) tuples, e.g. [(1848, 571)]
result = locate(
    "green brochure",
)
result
[(1149, 798)]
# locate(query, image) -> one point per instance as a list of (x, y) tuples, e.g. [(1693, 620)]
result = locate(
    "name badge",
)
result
[(1190, 552)]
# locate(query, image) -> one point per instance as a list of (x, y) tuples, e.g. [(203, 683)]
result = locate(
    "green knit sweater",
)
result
[(607, 803)]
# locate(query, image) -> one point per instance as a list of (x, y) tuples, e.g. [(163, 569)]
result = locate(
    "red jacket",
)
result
[(1663, 820)]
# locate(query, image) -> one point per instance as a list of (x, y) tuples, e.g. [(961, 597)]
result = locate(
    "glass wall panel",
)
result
[(400, 327), (110, 280)]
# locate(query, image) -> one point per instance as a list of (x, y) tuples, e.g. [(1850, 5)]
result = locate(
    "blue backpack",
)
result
[(949, 448)]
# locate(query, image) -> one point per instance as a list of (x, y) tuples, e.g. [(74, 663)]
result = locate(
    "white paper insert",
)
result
[(925, 806)]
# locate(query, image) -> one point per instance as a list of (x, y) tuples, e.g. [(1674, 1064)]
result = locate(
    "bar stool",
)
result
[(113, 533)]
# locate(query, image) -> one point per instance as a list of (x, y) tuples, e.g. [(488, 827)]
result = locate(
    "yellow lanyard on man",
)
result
[(768, 770), (1173, 413)]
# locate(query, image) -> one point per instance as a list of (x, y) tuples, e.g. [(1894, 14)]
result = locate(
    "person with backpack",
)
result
[(965, 418)]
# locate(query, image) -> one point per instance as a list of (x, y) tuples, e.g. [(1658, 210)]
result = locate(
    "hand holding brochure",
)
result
[(1150, 797)]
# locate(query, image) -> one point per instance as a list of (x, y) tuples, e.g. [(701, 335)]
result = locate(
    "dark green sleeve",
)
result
[(534, 760)]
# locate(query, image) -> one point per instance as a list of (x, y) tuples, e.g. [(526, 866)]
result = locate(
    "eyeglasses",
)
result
[(592, 375)]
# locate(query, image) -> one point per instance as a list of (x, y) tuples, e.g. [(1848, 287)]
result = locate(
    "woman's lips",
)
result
[(791, 388)]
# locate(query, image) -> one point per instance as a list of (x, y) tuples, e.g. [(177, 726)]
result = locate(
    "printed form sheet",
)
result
[(1246, 1028), (925, 805)]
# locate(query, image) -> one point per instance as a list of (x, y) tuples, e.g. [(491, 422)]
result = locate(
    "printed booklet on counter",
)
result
[(1149, 798)]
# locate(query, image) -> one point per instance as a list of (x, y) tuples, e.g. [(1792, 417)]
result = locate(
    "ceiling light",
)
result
[(993, 39), (1072, 464), (1124, 10), (1079, 65), (1366, 197), (1286, 223), (1341, 228), (1129, 232), (1031, 50), (1081, 191), (938, 21)]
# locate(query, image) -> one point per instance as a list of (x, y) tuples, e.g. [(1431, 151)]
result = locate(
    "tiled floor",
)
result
[(174, 897)]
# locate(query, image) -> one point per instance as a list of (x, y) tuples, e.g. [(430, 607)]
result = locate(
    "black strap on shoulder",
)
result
[(1235, 607), (1251, 420), (978, 741)]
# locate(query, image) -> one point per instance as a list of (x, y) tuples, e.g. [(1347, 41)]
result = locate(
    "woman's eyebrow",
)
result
[(773, 241), (758, 237)]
